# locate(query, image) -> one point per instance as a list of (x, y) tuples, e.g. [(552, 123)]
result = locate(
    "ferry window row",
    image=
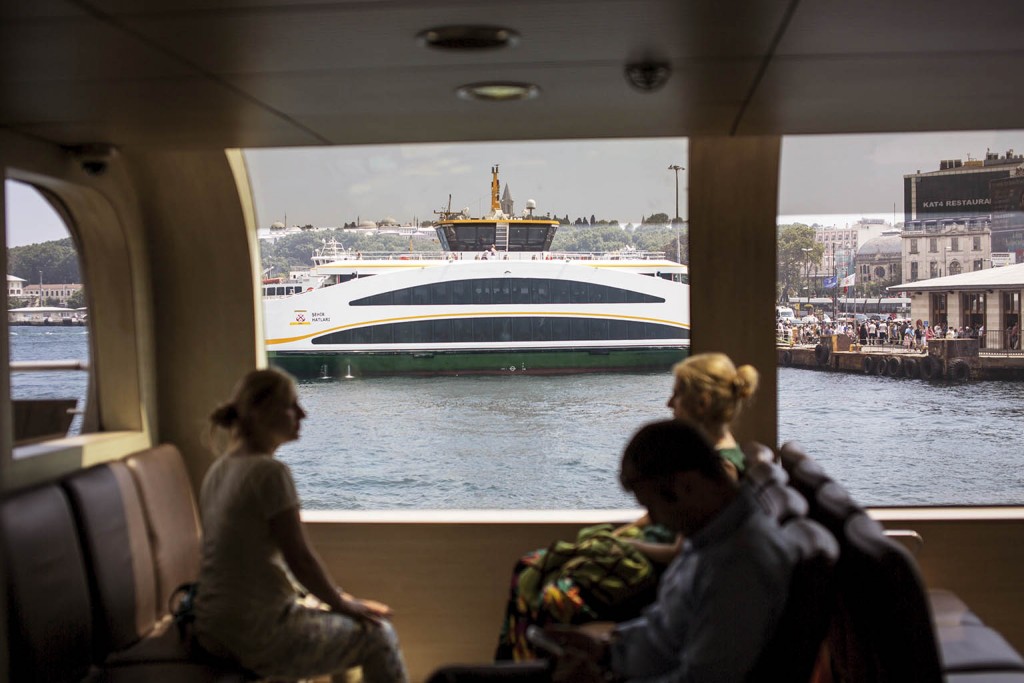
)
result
[(504, 329), (507, 290), (282, 291)]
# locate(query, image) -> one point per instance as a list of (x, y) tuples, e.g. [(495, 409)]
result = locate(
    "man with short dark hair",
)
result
[(720, 599)]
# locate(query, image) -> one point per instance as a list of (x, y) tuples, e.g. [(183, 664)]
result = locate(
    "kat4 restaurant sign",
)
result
[(940, 204), (960, 194)]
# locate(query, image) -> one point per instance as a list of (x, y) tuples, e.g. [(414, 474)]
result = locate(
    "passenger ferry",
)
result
[(495, 301), (129, 118)]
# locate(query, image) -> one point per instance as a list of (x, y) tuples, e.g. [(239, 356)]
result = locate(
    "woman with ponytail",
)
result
[(247, 608), (710, 391)]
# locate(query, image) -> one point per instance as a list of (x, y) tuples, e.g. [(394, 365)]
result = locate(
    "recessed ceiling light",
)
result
[(468, 37), (498, 92)]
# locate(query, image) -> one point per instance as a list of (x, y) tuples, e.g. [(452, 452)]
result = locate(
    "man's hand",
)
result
[(586, 650)]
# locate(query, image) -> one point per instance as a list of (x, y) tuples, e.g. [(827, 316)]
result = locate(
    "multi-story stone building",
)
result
[(840, 245), (61, 292), (948, 246)]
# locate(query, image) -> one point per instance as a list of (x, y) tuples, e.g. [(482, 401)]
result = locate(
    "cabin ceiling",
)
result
[(259, 73)]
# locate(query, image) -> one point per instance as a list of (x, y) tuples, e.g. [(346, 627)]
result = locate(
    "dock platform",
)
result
[(953, 360)]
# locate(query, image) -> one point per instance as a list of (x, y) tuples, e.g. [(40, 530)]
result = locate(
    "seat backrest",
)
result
[(115, 543), (767, 481), (883, 630), (755, 452), (172, 518), (49, 618), (805, 475), (793, 650)]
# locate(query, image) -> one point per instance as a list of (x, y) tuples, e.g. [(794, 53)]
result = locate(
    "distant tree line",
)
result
[(57, 260), (295, 252)]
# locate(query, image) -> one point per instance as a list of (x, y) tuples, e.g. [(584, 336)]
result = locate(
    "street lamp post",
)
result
[(807, 274), (677, 168), (835, 287)]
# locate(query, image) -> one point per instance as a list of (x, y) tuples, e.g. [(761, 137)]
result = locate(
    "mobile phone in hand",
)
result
[(542, 640)]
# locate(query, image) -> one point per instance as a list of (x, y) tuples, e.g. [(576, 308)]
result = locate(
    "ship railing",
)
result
[(501, 256)]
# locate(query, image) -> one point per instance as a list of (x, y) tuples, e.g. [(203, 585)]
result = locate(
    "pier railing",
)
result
[(994, 342)]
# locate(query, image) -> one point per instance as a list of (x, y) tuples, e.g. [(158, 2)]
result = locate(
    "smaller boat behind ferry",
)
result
[(496, 300)]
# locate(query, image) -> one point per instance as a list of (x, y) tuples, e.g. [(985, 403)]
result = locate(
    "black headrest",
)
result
[(781, 502), (805, 474), (833, 506)]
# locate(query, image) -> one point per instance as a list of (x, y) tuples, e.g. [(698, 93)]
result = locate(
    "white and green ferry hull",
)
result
[(312, 365)]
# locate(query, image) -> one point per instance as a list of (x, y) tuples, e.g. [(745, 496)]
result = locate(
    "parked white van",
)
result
[(785, 313)]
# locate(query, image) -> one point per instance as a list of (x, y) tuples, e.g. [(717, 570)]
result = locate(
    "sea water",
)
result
[(520, 442)]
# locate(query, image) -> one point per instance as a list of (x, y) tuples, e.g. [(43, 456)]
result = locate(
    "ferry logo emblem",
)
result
[(300, 318)]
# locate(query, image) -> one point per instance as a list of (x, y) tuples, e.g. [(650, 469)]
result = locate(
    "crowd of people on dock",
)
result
[(693, 590), (889, 332)]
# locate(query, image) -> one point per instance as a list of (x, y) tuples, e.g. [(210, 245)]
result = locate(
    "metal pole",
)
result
[(835, 289), (677, 168)]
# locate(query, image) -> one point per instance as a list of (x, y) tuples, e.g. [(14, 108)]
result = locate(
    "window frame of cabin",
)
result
[(114, 422)]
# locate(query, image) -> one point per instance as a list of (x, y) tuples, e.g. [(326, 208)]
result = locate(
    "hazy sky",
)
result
[(824, 179)]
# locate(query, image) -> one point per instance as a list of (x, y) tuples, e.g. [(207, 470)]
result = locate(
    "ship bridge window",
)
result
[(505, 328), (47, 318), (470, 237), (508, 291)]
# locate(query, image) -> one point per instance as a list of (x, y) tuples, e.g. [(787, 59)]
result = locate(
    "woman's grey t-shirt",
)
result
[(244, 585)]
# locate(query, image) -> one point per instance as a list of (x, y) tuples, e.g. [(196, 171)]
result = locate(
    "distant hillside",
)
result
[(57, 260)]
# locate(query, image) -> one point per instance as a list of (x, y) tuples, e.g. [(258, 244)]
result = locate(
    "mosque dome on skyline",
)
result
[(886, 246)]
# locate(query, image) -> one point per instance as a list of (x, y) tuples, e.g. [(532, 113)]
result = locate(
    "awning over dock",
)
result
[(1004, 277)]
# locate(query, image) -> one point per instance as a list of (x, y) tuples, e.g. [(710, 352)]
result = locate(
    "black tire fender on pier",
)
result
[(869, 365), (880, 367), (911, 370), (821, 354), (787, 358), (894, 366), (931, 367), (959, 370)]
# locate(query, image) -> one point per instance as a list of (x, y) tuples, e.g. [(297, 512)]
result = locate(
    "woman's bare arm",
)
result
[(287, 530)]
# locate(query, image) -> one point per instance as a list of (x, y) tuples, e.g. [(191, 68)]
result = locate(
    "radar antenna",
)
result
[(445, 214)]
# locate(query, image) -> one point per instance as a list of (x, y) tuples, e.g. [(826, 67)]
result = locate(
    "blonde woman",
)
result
[(247, 607), (711, 392)]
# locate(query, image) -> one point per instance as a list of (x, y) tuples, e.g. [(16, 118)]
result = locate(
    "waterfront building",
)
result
[(15, 286), (946, 246), (45, 315), (60, 293), (989, 298)]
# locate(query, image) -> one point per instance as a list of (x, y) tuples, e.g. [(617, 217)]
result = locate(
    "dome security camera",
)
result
[(93, 157), (648, 76)]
